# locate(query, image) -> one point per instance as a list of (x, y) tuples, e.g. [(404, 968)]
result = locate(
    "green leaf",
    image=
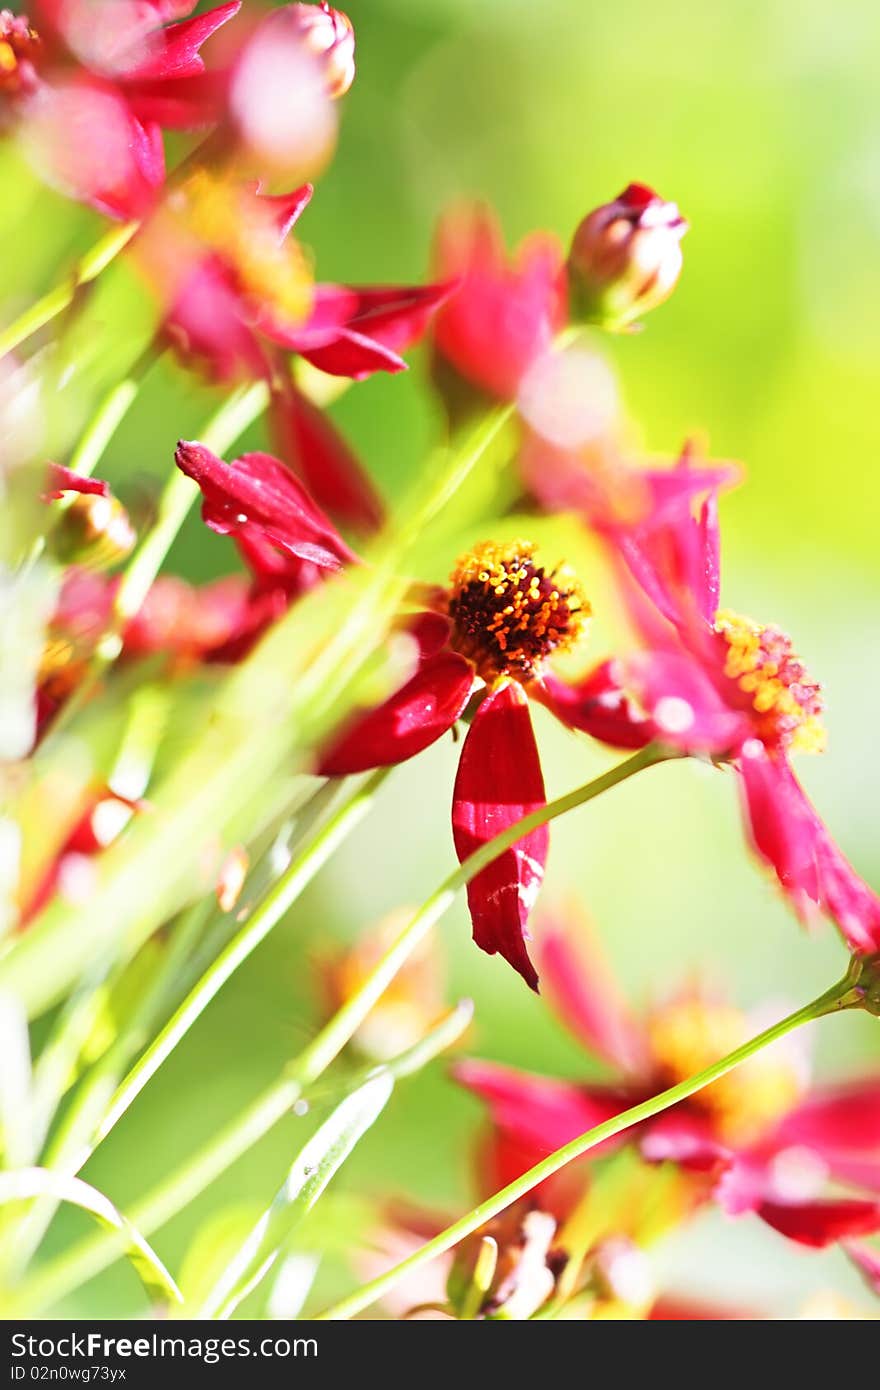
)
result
[(27, 1183), (310, 1173), (16, 1110)]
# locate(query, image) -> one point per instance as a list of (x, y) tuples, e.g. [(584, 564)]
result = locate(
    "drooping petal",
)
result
[(818, 1224), (424, 709), (258, 493), (788, 834), (581, 989), (598, 705), (307, 440), (499, 781), (354, 355), (839, 1119), (380, 324)]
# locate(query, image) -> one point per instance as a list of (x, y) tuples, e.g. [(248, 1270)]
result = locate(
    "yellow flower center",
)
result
[(508, 614), (690, 1034), (242, 229), (787, 703)]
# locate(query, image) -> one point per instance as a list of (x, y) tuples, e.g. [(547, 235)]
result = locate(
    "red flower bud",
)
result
[(625, 258), (329, 34)]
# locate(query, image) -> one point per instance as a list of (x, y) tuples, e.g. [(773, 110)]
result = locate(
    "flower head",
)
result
[(757, 1140), (625, 257)]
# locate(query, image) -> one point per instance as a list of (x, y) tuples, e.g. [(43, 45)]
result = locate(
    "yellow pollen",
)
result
[(242, 230), (508, 614), (786, 702), (690, 1034), (8, 60)]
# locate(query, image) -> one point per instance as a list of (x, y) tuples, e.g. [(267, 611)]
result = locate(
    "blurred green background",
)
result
[(760, 119)]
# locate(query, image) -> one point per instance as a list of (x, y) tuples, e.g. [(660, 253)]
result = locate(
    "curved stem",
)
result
[(61, 297), (168, 1198), (830, 1002), (274, 905), (110, 413)]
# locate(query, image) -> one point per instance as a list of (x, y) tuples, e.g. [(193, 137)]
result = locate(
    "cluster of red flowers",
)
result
[(91, 87)]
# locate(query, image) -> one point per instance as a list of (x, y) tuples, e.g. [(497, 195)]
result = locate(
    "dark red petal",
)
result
[(397, 315), (308, 441), (177, 53), (581, 989), (60, 480), (788, 833), (499, 780), (424, 709), (821, 1223), (598, 705), (258, 493)]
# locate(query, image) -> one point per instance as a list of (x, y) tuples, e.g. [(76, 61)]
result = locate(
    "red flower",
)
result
[(500, 619), (752, 1141), (715, 683), (97, 82), (238, 292), (504, 314)]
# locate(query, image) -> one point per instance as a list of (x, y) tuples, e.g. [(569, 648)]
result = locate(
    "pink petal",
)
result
[(867, 1261), (582, 990), (683, 704), (187, 103), (539, 1112), (787, 832), (207, 322), (682, 1137), (499, 780), (310, 444), (354, 355), (598, 705), (818, 1224), (424, 709), (844, 1118)]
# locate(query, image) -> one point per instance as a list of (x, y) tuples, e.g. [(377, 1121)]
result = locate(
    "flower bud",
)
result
[(625, 258), (329, 34), (93, 531), (505, 1270), (20, 50)]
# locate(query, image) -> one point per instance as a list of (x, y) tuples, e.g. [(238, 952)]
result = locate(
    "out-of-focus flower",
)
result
[(330, 35), (504, 314), (93, 531), (237, 293), (716, 683), (506, 1269), (409, 1007), (757, 1140), (94, 84), (231, 879), (71, 872), (625, 258)]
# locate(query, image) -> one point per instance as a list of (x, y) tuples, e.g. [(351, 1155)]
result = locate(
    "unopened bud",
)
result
[(329, 34), (625, 258), (20, 51), (93, 531)]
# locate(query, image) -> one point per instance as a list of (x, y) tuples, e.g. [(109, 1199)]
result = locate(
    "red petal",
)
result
[(178, 56), (60, 480), (354, 355), (207, 321), (683, 1138), (821, 1223), (499, 780), (187, 103), (599, 706), (841, 1119), (582, 990), (424, 709), (258, 493), (310, 444), (397, 315)]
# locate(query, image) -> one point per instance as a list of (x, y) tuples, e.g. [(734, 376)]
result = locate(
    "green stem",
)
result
[(91, 1256), (109, 415), (830, 1002), (61, 297), (320, 1053), (274, 905)]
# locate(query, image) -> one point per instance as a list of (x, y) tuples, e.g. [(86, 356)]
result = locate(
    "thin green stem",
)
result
[(108, 416), (61, 297), (91, 1256), (830, 1002), (320, 1053), (269, 912)]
